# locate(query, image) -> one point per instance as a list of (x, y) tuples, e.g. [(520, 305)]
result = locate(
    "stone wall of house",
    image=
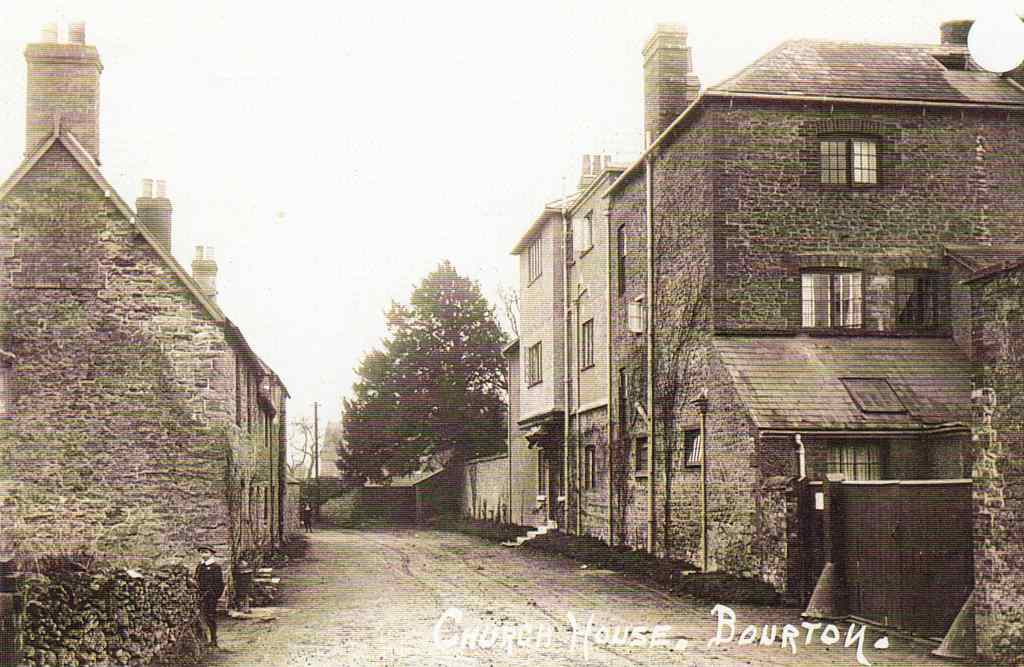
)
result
[(998, 470), (593, 434), (947, 176), (122, 410)]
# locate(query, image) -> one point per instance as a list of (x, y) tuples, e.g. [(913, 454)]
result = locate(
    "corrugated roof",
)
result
[(878, 71), (796, 383)]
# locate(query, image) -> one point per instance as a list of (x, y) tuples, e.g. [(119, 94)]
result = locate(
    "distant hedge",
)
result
[(109, 617)]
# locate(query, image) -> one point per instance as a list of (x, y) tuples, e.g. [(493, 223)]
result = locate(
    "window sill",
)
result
[(640, 475), (587, 367)]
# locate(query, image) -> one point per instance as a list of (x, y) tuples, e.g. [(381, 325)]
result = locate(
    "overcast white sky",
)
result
[(333, 153)]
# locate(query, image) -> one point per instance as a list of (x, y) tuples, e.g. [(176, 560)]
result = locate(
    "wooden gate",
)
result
[(905, 551)]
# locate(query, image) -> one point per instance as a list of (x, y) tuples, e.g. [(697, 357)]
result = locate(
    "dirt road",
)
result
[(409, 597)]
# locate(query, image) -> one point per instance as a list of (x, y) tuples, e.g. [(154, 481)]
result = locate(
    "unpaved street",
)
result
[(374, 597)]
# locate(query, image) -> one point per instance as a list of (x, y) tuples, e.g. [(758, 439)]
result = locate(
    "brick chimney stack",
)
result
[(154, 211), (204, 270), (64, 87), (955, 32), (669, 82)]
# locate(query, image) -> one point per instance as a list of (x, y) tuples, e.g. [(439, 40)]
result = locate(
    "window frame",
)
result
[(534, 260), (535, 364), (636, 316), (849, 139), (832, 298), (586, 350), (940, 299), (834, 464), (587, 233), (693, 448), (589, 467), (640, 461)]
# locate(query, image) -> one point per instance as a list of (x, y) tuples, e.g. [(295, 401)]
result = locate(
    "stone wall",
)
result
[(109, 617), (998, 470), (947, 176)]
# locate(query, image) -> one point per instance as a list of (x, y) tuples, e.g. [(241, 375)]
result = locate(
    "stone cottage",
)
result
[(138, 420)]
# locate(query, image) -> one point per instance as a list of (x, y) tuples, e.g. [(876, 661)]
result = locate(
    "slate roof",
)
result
[(796, 382), (877, 71)]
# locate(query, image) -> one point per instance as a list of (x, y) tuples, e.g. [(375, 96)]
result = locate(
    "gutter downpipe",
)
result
[(608, 366), (801, 455), (649, 331), (566, 431), (702, 405), (576, 419), (511, 501)]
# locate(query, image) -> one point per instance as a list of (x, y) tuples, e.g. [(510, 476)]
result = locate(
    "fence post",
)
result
[(10, 616)]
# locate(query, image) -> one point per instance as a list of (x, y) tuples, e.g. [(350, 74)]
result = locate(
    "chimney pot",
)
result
[(199, 252), (204, 271), (955, 32), (161, 189), (49, 33), (76, 32), (585, 171), (147, 187)]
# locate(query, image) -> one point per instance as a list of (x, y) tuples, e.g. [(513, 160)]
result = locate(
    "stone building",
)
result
[(806, 226), (786, 288), (138, 420)]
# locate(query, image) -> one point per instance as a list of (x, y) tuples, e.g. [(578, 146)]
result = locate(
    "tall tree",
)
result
[(437, 386)]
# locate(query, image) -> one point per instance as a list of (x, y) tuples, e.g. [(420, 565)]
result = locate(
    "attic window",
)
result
[(952, 61), (873, 395)]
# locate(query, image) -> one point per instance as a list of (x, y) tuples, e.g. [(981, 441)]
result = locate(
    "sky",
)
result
[(334, 153)]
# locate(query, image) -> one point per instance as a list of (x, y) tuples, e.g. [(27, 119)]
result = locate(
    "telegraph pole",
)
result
[(316, 457)]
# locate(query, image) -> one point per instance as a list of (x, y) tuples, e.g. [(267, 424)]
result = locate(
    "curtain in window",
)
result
[(816, 289), (856, 461), (847, 296)]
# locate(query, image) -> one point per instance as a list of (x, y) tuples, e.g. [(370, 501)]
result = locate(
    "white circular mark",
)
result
[(996, 40)]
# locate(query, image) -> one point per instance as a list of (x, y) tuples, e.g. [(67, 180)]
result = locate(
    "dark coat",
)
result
[(210, 579)]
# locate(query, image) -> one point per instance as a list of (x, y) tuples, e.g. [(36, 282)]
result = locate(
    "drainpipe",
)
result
[(701, 403), (508, 365), (649, 331), (564, 491), (608, 366), (579, 429), (802, 456)]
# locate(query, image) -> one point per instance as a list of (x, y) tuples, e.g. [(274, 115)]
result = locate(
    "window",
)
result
[(569, 252), (587, 344), (873, 395), (534, 365), (831, 298), (849, 161), (921, 299), (636, 316), (623, 245), (623, 400), (640, 455), (857, 460), (693, 447), (589, 469), (534, 260), (587, 232), (6, 385)]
